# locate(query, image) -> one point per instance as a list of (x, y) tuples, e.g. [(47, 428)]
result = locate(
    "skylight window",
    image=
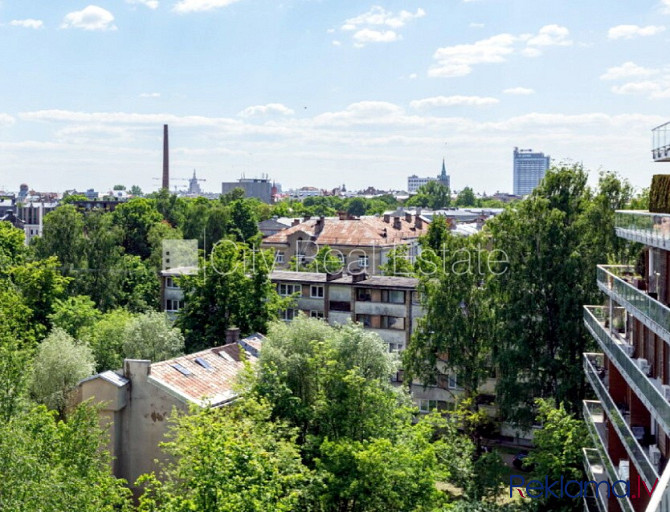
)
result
[(181, 369), (203, 363)]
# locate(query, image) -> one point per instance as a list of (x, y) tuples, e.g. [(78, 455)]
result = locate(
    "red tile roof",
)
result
[(363, 231)]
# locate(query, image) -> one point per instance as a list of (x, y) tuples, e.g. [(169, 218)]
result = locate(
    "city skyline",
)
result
[(322, 92)]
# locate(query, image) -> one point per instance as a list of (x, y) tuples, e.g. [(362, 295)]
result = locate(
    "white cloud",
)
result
[(150, 95), (631, 31), (476, 25), (646, 88), (628, 70), (379, 16), (90, 18), (521, 91), (336, 43), (27, 23), (151, 4), (551, 35), (665, 6), (269, 109), (6, 120), (412, 76), (459, 59), (379, 25), (452, 101), (201, 5), (368, 35)]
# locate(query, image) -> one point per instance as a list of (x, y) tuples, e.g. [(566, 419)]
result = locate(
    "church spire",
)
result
[(443, 174)]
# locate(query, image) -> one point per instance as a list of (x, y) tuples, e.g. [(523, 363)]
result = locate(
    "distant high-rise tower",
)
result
[(529, 170), (166, 158), (194, 186)]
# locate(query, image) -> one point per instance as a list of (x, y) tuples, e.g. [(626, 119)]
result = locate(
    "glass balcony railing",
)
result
[(599, 467), (643, 227), (649, 393), (595, 472), (612, 280), (635, 451), (660, 143)]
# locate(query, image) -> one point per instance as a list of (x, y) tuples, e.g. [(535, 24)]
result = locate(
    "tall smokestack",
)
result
[(166, 158)]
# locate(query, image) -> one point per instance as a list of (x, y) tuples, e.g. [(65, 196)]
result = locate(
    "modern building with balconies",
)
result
[(630, 373)]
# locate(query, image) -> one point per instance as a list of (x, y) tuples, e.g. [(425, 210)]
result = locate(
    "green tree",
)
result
[(243, 221), (74, 314), (50, 465), (102, 276), (433, 195), (135, 218), (60, 363), (357, 206), (558, 450), (541, 336), (139, 287), (398, 263), (151, 336), (12, 248), (325, 261), (231, 459), (171, 207), (136, 191), (466, 197), (41, 285), (232, 288), (63, 237), (106, 338)]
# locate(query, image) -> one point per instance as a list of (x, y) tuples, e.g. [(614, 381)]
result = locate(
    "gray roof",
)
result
[(346, 279)]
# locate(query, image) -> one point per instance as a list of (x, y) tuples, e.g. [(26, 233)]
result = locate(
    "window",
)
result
[(279, 257), (288, 314), (453, 382), (286, 290), (427, 405), (173, 305), (393, 322), (316, 291), (169, 282), (365, 320), (363, 261), (396, 347), (316, 314), (393, 296), (363, 295)]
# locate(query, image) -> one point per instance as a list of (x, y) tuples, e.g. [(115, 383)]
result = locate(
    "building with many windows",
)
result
[(629, 420), (529, 170), (414, 181)]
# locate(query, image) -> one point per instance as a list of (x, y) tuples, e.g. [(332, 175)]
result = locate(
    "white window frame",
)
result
[(279, 257), (287, 290), (452, 382), (363, 260), (319, 288), (288, 314), (313, 313)]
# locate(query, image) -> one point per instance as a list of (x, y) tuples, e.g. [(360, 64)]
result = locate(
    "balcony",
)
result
[(620, 422), (615, 284), (660, 145), (650, 394), (643, 227), (599, 468)]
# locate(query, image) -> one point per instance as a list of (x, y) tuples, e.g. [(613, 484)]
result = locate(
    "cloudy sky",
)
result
[(320, 92)]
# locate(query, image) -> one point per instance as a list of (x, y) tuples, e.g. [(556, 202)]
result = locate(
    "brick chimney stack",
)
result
[(166, 158)]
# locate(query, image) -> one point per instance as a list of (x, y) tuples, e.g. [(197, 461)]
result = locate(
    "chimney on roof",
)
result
[(387, 218), (307, 217), (396, 223), (232, 335), (342, 215), (295, 222), (166, 158), (408, 217), (418, 222), (333, 276), (357, 277)]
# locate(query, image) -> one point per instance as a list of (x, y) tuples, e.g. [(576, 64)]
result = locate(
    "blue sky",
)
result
[(321, 92)]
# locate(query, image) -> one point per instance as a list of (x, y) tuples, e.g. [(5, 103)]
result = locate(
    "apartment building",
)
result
[(361, 243), (630, 373)]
